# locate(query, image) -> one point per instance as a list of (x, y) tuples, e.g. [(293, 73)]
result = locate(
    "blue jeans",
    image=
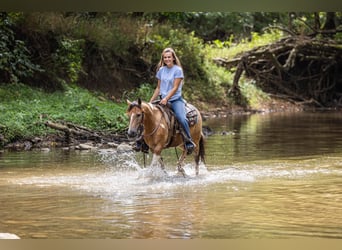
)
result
[(178, 107)]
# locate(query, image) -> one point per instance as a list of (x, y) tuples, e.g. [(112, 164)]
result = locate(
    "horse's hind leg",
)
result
[(197, 159), (180, 163)]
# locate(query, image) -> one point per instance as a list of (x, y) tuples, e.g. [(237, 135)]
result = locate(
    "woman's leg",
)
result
[(178, 107)]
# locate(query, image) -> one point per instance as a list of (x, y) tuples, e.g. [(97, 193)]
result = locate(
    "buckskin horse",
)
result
[(160, 130)]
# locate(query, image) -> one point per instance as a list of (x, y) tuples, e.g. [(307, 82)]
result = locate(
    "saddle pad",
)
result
[(191, 114), (190, 110)]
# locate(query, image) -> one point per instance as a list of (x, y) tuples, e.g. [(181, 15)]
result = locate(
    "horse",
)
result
[(159, 133)]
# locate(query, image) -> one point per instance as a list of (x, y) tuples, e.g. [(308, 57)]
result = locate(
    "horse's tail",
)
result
[(201, 151)]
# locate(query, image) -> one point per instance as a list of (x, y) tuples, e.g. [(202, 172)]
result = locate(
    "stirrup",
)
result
[(189, 146), (141, 146), (144, 148), (137, 147)]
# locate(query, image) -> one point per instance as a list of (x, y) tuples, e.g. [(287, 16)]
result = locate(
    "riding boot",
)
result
[(138, 145), (144, 147), (188, 143)]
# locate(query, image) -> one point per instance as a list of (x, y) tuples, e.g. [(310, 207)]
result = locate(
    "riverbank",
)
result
[(78, 141), (27, 112)]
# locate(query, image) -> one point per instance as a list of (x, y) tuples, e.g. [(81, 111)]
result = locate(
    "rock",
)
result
[(112, 144), (227, 133), (85, 147), (36, 140), (27, 145), (45, 149), (8, 236), (124, 147), (207, 131)]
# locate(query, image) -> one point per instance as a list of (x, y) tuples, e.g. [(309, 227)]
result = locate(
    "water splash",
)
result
[(121, 178), (120, 160)]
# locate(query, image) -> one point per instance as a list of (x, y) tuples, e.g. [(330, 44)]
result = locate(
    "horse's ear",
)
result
[(139, 101), (128, 102)]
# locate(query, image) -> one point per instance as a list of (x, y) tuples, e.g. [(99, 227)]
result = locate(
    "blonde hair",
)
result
[(175, 58)]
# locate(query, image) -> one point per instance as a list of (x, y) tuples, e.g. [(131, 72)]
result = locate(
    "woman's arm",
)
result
[(176, 83), (156, 92)]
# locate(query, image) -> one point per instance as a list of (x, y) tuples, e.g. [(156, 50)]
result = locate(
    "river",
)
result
[(266, 176)]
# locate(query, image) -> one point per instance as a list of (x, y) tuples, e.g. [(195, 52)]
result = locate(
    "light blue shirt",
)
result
[(167, 76)]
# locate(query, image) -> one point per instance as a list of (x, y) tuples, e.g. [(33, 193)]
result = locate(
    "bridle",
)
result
[(141, 124)]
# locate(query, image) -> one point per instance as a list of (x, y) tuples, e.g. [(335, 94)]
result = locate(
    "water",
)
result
[(266, 176)]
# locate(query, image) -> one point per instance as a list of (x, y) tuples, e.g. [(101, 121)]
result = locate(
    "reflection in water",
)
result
[(270, 176), (277, 135)]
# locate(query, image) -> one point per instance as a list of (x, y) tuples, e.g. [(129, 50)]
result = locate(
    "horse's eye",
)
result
[(138, 115)]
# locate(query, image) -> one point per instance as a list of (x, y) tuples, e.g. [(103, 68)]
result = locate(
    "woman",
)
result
[(170, 82)]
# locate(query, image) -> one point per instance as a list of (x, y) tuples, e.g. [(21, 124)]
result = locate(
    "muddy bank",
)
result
[(66, 142)]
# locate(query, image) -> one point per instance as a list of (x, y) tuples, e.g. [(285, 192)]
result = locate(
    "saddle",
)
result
[(172, 122)]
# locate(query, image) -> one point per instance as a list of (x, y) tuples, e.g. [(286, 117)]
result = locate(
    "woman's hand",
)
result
[(163, 101)]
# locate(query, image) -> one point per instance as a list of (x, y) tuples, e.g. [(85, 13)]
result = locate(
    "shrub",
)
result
[(144, 91), (15, 61), (68, 58)]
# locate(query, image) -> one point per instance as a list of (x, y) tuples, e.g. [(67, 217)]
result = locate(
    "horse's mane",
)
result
[(149, 105), (142, 104)]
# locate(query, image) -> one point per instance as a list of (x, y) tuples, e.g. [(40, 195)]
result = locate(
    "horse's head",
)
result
[(135, 114)]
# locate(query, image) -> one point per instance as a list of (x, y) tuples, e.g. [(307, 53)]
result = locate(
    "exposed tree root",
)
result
[(305, 69)]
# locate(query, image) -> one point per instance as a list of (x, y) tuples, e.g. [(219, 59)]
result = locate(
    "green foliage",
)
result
[(190, 50), (24, 110), (145, 92), (15, 61), (228, 49), (68, 58), (109, 32), (254, 96), (73, 40), (338, 38)]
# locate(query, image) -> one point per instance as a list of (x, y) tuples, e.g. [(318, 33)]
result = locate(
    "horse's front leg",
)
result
[(156, 159), (161, 162)]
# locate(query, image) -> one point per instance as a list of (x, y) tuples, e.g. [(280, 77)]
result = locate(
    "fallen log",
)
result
[(70, 128), (74, 132)]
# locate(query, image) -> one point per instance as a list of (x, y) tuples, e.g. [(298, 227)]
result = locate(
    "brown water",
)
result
[(268, 176)]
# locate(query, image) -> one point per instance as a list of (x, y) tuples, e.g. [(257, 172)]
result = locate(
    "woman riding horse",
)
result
[(170, 82), (159, 133)]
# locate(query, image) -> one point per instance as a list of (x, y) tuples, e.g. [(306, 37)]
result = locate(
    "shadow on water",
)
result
[(266, 176)]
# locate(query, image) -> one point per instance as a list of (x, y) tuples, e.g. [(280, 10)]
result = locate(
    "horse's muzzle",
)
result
[(131, 133)]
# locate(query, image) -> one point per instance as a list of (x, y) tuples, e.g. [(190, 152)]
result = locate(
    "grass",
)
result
[(24, 110)]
